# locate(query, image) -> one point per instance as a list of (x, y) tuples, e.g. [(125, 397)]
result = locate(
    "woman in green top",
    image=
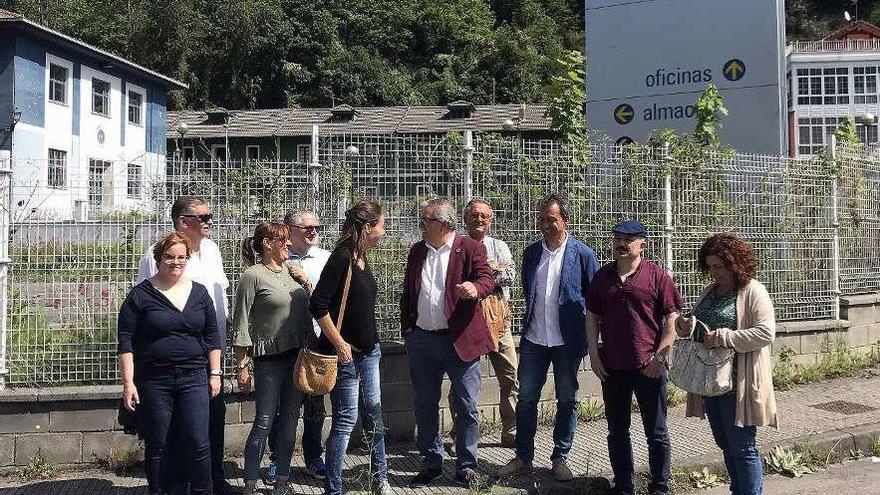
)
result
[(271, 320), (739, 314)]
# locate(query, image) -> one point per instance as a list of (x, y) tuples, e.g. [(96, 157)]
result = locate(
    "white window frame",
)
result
[(247, 152), (53, 164), (866, 76), (304, 150), (823, 85), (53, 83), (140, 108), (134, 189), (107, 98)]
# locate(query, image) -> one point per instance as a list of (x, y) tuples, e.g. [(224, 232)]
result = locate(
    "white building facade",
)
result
[(83, 127)]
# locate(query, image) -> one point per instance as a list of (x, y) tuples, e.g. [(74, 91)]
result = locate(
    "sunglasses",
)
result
[(202, 218)]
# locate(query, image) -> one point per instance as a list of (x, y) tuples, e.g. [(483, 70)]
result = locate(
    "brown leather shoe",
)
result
[(508, 440)]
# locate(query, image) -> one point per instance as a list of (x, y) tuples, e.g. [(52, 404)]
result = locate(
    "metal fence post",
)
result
[(5, 224), (667, 203), (468, 165), (835, 233), (314, 169)]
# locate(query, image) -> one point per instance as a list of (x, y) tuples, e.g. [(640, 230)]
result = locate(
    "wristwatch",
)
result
[(216, 372)]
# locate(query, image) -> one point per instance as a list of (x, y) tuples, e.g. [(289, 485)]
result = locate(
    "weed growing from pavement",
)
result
[(787, 462), (674, 395), (119, 461), (875, 447), (546, 414), (37, 468), (590, 410), (488, 425), (839, 361), (704, 478)]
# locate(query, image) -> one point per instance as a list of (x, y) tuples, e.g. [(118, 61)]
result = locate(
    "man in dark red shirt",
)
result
[(633, 303)]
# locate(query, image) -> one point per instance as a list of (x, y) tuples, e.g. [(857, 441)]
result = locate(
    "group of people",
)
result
[(625, 316)]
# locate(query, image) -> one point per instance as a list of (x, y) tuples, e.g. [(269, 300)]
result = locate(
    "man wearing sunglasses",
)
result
[(445, 332), (192, 217)]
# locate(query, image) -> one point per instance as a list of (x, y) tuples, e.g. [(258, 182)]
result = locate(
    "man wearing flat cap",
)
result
[(632, 303)]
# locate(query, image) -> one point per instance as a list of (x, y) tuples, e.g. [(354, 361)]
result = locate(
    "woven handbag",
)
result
[(700, 370), (315, 373)]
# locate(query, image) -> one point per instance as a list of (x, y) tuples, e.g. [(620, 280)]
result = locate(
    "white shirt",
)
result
[(313, 264), (545, 329), (431, 302), (204, 266), (498, 250)]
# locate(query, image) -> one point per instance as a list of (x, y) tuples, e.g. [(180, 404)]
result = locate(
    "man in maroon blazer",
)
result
[(445, 332)]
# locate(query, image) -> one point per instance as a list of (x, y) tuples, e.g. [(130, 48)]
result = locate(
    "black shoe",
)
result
[(226, 489), (425, 477), (473, 480)]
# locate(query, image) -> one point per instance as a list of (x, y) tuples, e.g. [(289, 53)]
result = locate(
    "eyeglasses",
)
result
[(309, 228), (206, 218), (174, 260), (480, 216)]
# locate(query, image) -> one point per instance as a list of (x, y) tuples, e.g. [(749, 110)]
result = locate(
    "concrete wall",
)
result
[(79, 424)]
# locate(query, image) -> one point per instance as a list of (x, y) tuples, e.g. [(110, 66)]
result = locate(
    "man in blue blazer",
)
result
[(556, 272)]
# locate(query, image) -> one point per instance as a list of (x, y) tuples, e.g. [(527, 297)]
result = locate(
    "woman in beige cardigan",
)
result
[(740, 313)]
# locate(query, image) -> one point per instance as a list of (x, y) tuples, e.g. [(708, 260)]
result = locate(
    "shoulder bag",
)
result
[(496, 309), (315, 373), (698, 369)]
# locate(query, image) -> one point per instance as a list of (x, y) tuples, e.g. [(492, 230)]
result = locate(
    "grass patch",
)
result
[(546, 414), (119, 461), (839, 361), (674, 395), (38, 468), (590, 410), (489, 425), (875, 447)]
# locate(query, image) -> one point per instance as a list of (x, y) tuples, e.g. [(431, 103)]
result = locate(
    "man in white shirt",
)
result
[(192, 217), (556, 272), (305, 229), (445, 332)]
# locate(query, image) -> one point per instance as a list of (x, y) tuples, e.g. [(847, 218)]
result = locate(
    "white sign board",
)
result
[(649, 60)]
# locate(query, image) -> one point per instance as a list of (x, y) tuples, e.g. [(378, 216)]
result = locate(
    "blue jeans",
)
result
[(274, 392), (182, 396), (313, 426), (430, 356), (534, 362), (617, 392), (357, 382), (738, 445)]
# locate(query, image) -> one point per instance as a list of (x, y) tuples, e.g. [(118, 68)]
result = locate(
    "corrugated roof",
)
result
[(367, 120), (12, 18)]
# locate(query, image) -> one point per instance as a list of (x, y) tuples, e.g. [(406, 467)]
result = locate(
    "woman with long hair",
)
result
[(167, 336), (271, 320), (739, 314), (356, 343)]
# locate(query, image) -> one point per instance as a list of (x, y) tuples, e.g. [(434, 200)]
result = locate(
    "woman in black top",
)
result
[(356, 343), (167, 335)]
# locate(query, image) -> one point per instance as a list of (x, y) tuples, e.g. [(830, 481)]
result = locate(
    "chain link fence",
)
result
[(68, 276)]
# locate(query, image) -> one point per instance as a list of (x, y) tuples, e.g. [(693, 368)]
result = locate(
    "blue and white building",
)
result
[(83, 127)]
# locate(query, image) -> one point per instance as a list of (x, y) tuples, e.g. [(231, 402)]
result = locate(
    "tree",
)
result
[(567, 98)]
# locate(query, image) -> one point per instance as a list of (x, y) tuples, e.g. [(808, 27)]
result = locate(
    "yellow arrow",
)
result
[(623, 113), (734, 69)]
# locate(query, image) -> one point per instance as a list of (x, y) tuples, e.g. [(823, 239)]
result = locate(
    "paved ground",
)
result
[(853, 402), (861, 477)]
